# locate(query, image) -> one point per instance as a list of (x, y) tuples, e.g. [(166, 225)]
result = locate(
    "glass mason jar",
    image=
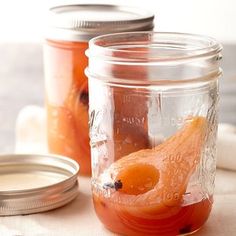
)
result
[(66, 84), (153, 122)]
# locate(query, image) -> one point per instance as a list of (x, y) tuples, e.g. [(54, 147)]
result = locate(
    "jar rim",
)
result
[(191, 47)]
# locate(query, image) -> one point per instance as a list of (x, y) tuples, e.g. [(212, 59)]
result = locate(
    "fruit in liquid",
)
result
[(67, 107), (146, 189), (67, 101)]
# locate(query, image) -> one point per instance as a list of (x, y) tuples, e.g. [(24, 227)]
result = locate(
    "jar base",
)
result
[(130, 221), (185, 234)]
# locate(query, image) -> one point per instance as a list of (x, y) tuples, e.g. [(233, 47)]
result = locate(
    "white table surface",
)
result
[(78, 217)]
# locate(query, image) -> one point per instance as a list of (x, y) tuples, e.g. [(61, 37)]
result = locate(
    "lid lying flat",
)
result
[(84, 21), (35, 183)]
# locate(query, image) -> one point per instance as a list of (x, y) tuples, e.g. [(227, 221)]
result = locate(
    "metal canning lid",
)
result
[(82, 22), (35, 183)]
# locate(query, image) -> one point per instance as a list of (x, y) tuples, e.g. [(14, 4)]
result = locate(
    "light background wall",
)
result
[(24, 20)]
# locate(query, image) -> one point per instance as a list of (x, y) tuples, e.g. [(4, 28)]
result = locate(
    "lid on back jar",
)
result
[(84, 21)]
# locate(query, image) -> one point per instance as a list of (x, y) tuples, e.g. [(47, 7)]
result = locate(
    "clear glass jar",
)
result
[(71, 27), (153, 122)]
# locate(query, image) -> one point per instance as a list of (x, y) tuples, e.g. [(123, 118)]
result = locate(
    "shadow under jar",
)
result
[(70, 28), (153, 168)]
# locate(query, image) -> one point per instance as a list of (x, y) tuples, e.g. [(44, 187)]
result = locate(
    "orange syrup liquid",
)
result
[(187, 219)]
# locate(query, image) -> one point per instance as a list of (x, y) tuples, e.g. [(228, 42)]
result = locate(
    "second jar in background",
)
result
[(71, 27)]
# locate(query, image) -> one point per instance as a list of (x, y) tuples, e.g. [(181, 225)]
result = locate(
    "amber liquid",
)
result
[(67, 101), (187, 219), (67, 107)]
